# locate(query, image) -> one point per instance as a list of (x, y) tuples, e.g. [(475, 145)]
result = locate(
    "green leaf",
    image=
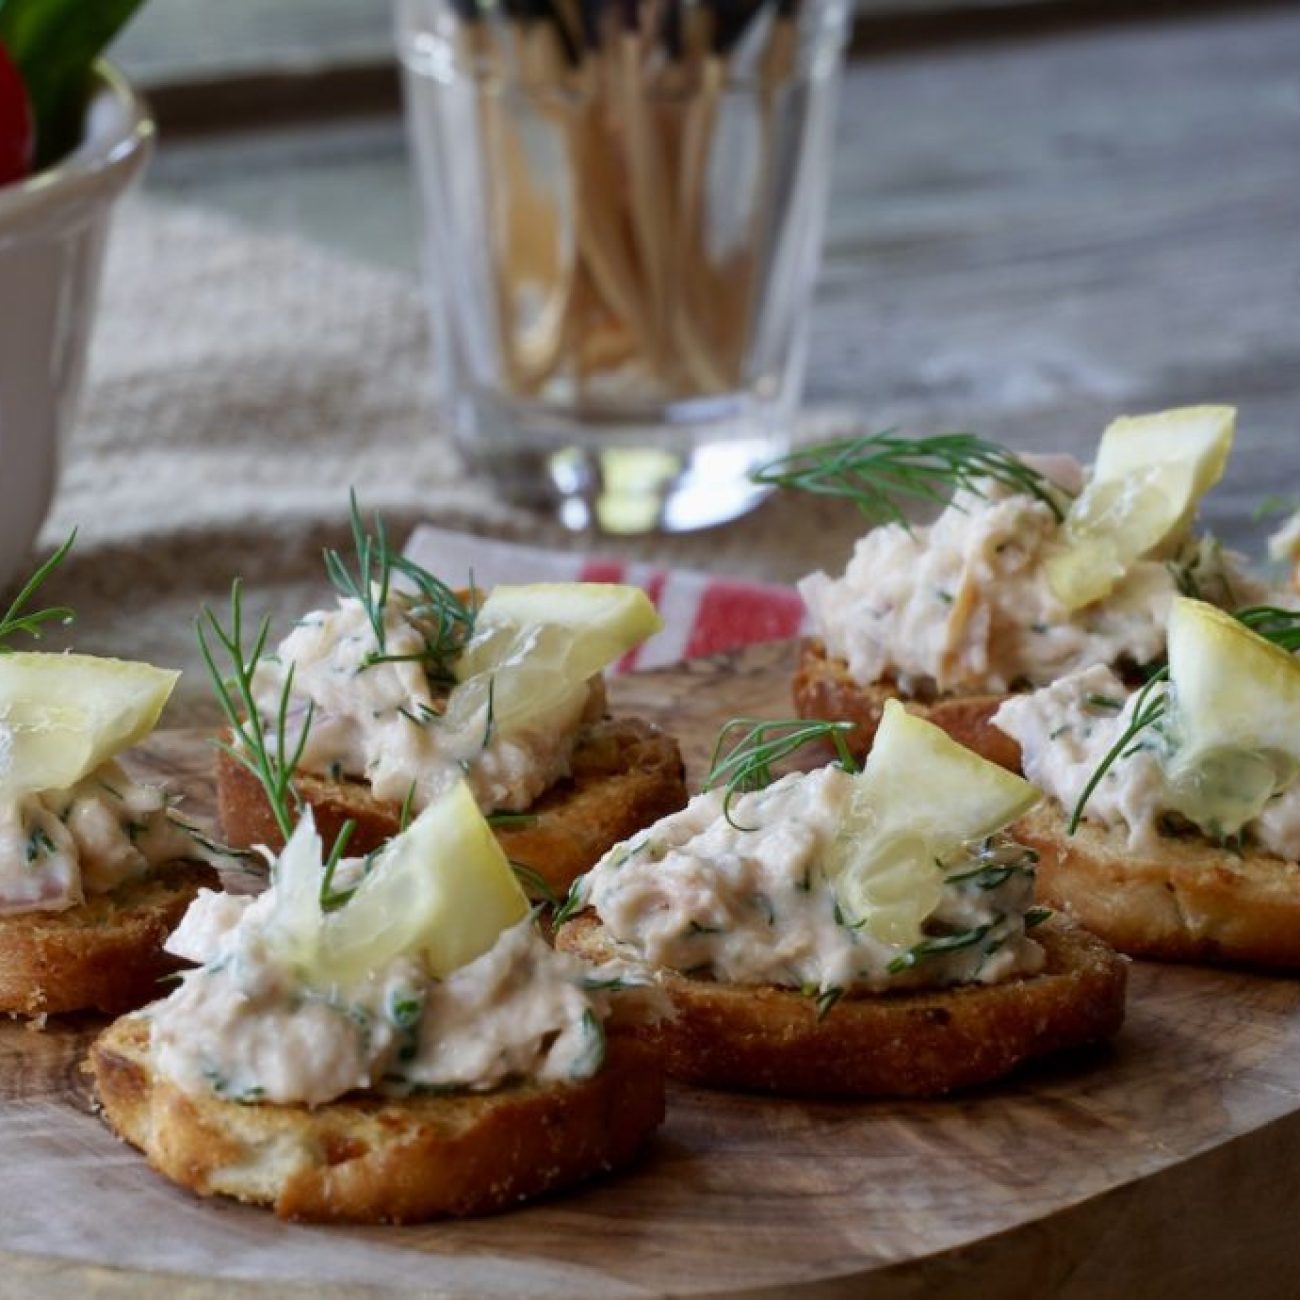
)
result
[(55, 43)]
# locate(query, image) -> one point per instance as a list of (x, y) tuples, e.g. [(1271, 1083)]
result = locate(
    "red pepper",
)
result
[(17, 138)]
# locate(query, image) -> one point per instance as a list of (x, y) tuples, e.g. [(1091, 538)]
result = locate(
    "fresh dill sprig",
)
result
[(826, 999), (989, 876), (505, 820), (371, 584), (272, 765), (444, 620), (747, 763), (937, 945), (1106, 703), (489, 725), (218, 853), (15, 619), (575, 900), (592, 1056), (877, 470), (330, 899), (1273, 623), (535, 885), (1152, 705), (408, 806)]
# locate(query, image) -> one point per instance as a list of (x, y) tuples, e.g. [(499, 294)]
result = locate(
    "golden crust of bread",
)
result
[(625, 774), (915, 1044), (824, 689), (369, 1159), (1184, 901), (103, 955)]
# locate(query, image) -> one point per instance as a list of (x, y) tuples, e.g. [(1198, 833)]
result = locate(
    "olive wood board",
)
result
[(1165, 1164)]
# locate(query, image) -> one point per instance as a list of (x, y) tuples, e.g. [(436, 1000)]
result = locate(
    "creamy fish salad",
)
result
[(744, 894), (375, 714), (248, 1024), (963, 605), (1065, 731), (59, 847)]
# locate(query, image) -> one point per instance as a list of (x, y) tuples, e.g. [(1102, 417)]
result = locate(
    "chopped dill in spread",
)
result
[(592, 1056), (753, 900), (39, 846)]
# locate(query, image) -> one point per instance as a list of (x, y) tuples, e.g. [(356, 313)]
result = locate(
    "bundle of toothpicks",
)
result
[(613, 271)]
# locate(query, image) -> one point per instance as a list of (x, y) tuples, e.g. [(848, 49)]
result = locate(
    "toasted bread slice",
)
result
[(824, 689), (625, 774), (1185, 901), (917, 1044), (369, 1159), (103, 955)]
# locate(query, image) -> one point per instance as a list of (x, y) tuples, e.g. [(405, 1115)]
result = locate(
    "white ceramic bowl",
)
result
[(52, 229)]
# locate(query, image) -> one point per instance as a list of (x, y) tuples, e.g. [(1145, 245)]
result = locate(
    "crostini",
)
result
[(1172, 827), (1035, 569), (411, 689), (846, 933), (383, 1039), (94, 870)]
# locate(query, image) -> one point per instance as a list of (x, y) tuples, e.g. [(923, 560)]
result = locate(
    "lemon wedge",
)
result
[(603, 619), (442, 891), (1235, 725), (918, 799), (63, 715), (1150, 472), (535, 645)]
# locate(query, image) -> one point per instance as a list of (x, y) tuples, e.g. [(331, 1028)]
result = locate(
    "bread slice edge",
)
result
[(370, 1159), (1185, 900), (913, 1044), (823, 689)]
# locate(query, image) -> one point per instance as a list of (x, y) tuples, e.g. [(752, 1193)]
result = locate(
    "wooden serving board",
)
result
[(1167, 1164)]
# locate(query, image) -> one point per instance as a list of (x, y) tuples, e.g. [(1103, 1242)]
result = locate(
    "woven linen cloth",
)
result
[(239, 385)]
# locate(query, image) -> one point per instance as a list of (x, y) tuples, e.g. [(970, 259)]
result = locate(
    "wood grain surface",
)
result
[(1166, 1164)]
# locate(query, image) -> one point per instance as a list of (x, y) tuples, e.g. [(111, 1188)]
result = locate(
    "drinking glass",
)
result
[(623, 204)]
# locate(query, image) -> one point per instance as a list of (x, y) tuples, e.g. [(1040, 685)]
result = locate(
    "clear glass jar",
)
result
[(623, 208)]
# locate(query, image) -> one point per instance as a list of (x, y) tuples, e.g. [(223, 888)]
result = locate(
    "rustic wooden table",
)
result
[(1032, 226)]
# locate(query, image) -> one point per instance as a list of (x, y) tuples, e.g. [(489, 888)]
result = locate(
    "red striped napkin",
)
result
[(703, 614)]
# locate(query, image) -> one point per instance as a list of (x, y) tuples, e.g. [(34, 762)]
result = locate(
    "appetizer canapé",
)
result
[(1173, 827), (386, 1038), (94, 870), (1035, 569), (850, 933), (411, 690)]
